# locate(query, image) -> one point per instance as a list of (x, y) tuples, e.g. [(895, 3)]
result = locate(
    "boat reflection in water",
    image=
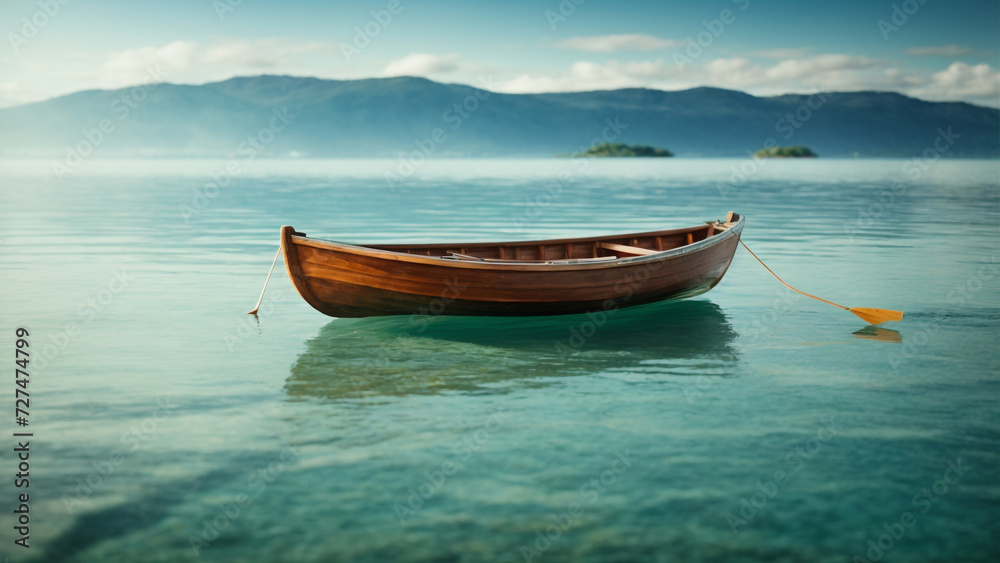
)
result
[(395, 356)]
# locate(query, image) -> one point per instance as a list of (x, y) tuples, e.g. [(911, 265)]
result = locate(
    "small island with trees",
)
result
[(785, 152), (621, 149)]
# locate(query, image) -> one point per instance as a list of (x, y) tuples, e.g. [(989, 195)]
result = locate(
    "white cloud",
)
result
[(13, 93), (585, 75), (978, 84), (939, 51), (963, 82), (612, 43), (33, 77), (422, 64), (814, 67), (828, 71), (187, 61)]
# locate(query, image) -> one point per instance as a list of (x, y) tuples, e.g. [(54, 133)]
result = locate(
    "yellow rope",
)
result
[(785, 284)]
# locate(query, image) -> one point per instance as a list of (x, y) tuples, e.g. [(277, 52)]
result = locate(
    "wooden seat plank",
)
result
[(627, 249)]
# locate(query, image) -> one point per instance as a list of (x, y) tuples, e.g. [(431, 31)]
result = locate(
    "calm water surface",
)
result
[(749, 424)]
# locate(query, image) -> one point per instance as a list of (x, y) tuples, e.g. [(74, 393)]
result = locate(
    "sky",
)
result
[(930, 49)]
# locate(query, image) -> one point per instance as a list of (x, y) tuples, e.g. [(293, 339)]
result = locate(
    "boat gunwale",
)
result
[(732, 230)]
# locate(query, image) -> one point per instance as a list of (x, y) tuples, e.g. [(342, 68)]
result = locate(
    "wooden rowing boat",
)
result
[(541, 277)]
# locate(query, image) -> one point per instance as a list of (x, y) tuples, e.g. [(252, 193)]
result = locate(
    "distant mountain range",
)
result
[(393, 116)]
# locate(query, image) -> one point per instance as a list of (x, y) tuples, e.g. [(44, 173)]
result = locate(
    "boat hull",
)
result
[(342, 280)]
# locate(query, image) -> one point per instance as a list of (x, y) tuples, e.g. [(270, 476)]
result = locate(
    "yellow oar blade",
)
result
[(876, 316)]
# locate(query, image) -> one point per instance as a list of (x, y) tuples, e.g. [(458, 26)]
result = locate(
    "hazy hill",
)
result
[(384, 116)]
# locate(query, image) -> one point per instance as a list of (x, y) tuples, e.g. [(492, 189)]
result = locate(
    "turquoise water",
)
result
[(748, 424)]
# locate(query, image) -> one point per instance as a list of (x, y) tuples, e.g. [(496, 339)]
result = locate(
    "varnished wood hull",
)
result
[(343, 280)]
